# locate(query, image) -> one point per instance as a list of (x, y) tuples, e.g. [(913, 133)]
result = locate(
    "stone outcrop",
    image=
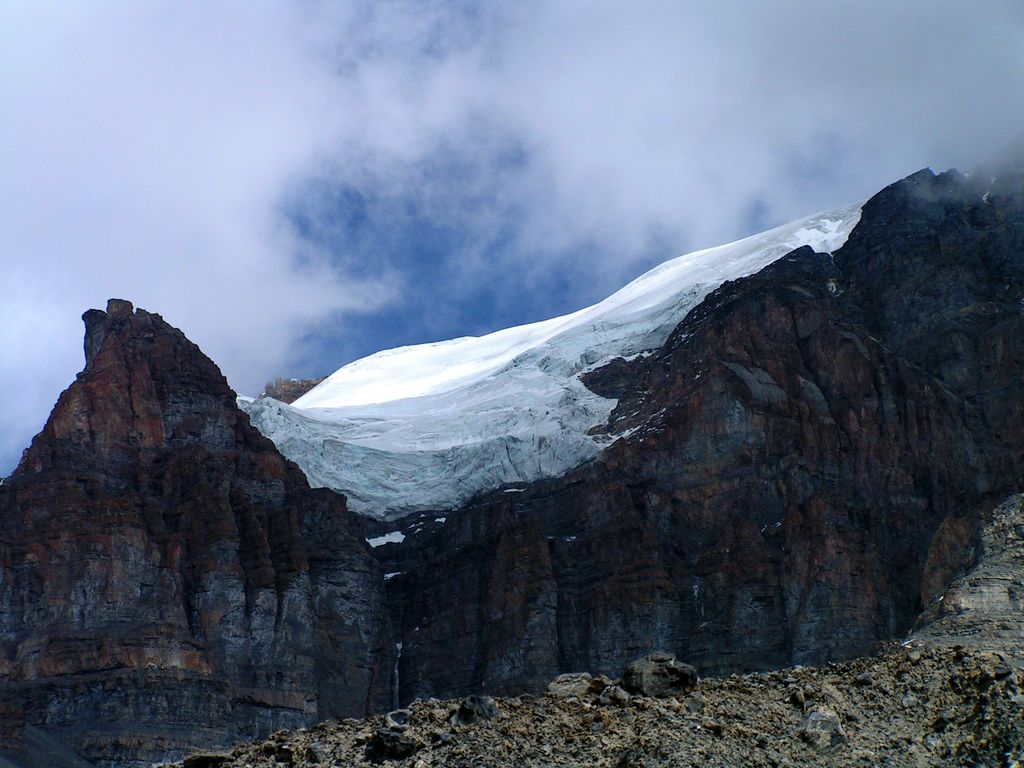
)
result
[(808, 452), (804, 463), (289, 390), (167, 579), (983, 608)]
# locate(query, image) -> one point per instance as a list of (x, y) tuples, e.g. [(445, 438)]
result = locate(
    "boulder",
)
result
[(398, 719), (476, 708), (390, 744), (315, 753), (571, 684), (614, 694), (660, 675), (822, 729)]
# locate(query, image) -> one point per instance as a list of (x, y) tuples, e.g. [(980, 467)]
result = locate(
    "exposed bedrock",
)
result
[(167, 580), (801, 467), (983, 608), (789, 458)]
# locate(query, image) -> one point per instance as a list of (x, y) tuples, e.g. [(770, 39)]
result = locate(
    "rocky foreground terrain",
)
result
[(802, 467), (908, 707), (953, 694)]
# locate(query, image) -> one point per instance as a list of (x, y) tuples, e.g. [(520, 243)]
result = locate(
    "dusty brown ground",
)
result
[(906, 708)]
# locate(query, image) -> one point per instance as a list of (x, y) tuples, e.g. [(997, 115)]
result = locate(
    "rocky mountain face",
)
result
[(950, 695), (983, 608), (289, 390), (167, 579), (808, 452), (800, 467)]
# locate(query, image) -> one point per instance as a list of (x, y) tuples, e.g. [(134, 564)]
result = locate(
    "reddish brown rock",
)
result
[(167, 580), (289, 390), (805, 455), (796, 447)]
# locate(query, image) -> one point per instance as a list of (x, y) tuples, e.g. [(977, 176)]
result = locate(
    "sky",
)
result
[(297, 185)]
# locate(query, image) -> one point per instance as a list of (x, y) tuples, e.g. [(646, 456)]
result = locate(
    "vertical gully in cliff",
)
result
[(395, 681)]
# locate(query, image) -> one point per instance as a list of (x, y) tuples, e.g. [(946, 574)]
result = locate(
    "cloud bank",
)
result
[(294, 184)]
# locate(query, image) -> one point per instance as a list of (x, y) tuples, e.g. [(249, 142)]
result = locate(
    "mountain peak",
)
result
[(157, 538), (144, 384), (98, 323)]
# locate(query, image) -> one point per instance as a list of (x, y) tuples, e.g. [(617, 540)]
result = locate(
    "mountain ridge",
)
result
[(167, 579), (790, 456), (428, 426), (799, 458)]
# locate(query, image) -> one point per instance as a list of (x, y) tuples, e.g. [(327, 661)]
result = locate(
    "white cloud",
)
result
[(146, 149), (666, 123)]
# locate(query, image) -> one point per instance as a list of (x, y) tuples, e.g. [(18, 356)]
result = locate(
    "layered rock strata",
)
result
[(167, 579), (289, 390), (983, 608), (802, 465), (810, 449)]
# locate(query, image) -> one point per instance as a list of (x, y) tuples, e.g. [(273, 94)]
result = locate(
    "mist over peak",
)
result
[(304, 184)]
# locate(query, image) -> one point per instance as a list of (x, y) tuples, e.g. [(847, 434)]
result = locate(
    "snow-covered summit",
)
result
[(430, 425)]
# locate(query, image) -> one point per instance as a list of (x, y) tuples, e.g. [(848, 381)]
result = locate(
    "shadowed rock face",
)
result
[(983, 609), (808, 454), (791, 453), (167, 580)]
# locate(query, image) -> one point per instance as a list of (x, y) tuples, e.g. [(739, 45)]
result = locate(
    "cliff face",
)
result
[(983, 608), (289, 390), (167, 580), (792, 455), (802, 465)]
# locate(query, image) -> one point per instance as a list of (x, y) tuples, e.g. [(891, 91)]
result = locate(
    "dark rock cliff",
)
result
[(802, 459), (167, 580), (801, 467)]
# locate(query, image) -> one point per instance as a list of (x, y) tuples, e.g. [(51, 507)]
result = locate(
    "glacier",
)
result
[(426, 427)]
